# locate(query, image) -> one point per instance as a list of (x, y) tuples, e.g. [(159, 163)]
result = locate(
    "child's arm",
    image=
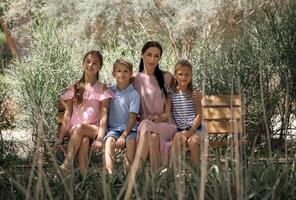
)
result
[(131, 122), (197, 121), (103, 122), (66, 120)]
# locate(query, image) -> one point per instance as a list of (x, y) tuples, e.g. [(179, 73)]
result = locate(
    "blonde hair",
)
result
[(123, 62), (182, 63)]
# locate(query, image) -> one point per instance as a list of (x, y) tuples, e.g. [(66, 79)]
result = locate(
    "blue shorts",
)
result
[(189, 127), (116, 134)]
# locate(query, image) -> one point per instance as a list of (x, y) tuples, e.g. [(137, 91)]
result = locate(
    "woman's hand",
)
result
[(154, 118), (197, 95)]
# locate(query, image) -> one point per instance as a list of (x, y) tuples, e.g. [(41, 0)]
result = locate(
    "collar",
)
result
[(128, 88)]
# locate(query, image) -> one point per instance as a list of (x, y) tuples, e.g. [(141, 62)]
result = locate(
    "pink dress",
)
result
[(89, 111), (152, 103)]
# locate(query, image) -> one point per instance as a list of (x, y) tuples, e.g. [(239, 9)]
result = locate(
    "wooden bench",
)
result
[(222, 115), (59, 118)]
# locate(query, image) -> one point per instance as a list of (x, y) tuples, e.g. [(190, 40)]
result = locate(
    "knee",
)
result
[(110, 141), (154, 138), (77, 129), (85, 141), (193, 141), (179, 138)]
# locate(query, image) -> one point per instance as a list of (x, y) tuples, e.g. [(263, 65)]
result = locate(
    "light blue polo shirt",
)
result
[(124, 102)]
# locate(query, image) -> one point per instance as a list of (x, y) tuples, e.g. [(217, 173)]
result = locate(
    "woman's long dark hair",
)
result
[(79, 87), (157, 72)]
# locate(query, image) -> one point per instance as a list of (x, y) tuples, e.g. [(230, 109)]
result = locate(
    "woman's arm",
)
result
[(196, 96), (164, 116)]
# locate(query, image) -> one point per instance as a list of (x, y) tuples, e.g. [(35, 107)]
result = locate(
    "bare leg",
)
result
[(193, 143), (110, 154), (179, 142), (82, 155), (130, 153), (154, 151), (79, 132), (141, 154)]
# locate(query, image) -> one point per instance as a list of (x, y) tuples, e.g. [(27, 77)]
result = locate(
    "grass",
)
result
[(258, 63), (266, 179)]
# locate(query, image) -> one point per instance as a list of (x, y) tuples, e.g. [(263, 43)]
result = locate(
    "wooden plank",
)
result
[(59, 117), (222, 127), (221, 113), (221, 100), (225, 142)]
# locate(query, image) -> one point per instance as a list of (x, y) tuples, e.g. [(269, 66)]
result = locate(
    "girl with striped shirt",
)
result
[(186, 110)]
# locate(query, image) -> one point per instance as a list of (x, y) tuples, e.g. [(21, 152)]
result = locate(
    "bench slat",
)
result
[(222, 127), (221, 113), (225, 142), (59, 117), (221, 100), (60, 105)]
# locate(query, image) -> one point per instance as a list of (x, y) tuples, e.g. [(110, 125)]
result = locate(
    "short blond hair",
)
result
[(123, 62)]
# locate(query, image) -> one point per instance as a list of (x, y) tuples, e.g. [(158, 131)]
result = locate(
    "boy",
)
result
[(123, 110)]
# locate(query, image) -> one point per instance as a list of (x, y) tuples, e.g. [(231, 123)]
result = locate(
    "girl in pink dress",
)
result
[(86, 112), (156, 129)]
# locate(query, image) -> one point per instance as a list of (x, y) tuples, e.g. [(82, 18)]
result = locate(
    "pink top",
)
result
[(89, 111), (152, 98), (152, 103)]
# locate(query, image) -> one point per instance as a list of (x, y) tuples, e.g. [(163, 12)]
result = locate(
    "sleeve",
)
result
[(69, 94), (99, 96), (135, 103)]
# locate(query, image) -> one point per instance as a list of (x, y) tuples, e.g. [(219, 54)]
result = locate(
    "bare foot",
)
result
[(64, 172)]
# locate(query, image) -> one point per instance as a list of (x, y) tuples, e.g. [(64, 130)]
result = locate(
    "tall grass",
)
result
[(257, 63)]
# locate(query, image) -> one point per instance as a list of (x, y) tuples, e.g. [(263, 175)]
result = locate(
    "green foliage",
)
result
[(6, 106), (262, 179), (256, 59), (40, 78)]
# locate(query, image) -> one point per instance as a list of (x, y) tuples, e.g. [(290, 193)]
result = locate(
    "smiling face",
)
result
[(92, 64), (122, 73), (151, 58), (183, 75)]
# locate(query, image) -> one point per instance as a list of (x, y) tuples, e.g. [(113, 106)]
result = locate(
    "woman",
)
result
[(155, 131)]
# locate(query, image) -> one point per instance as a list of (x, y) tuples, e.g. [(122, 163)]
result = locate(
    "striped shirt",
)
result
[(183, 109)]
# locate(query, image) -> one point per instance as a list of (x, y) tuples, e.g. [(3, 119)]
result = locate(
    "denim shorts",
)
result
[(116, 134), (189, 127)]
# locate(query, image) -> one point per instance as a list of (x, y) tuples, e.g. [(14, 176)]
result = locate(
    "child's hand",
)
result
[(120, 143), (188, 134), (97, 144)]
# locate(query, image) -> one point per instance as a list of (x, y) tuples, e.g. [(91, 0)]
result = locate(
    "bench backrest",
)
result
[(222, 115)]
